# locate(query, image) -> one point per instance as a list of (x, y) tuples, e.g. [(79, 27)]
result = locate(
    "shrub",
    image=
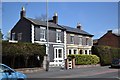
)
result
[(105, 53), (18, 55), (85, 59)]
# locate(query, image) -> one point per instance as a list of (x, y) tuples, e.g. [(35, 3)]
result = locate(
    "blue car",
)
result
[(7, 73)]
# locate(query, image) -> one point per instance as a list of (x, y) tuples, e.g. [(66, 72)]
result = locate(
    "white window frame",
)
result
[(72, 39), (87, 41), (19, 36), (75, 51), (80, 40), (69, 51), (86, 52), (56, 55), (13, 36), (42, 33), (80, 51), (58, 36), (90, 52)]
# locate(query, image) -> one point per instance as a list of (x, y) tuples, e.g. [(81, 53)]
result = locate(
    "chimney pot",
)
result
[(55, 14), (79, 26), (109, 31), (55, 18), (23, 8), (22, 13)]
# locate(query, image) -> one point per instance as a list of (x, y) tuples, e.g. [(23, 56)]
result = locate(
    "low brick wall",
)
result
[(29, 70), (83, 66)]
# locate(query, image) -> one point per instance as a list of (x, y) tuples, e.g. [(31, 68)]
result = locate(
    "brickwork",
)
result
[(109, 39)]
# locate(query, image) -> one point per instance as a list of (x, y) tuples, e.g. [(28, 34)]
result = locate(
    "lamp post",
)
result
[(47, 53)]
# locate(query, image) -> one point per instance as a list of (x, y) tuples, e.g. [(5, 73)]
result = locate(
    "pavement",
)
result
[(29, 70), (36, 69)]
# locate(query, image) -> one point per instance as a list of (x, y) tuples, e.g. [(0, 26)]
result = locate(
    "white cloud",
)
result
[(116, 31)]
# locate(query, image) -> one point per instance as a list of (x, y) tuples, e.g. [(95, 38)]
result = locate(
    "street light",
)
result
[(47, 53)]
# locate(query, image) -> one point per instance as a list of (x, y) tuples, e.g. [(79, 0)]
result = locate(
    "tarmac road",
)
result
[(91, 72)]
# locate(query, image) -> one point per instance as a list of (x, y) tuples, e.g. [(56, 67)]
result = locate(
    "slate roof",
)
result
[(75, 30), (44, 23), (53, 25)]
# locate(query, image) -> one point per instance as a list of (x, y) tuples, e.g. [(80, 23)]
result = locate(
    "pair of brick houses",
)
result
[(63, 40)]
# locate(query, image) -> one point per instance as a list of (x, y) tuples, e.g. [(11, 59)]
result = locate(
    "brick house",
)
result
[(110, 39)]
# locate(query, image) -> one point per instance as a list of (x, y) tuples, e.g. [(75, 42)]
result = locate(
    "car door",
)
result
[(3, 76), (8, 73)]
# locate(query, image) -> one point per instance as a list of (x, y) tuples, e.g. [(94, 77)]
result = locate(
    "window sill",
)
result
[(13, 41), (58, 41), (42, 40)]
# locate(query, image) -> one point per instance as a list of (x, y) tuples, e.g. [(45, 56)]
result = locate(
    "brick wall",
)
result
[(109, 39)]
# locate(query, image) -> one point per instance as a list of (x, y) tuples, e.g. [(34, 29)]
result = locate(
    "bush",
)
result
[(85, 59), (106, 54), (18, 55)]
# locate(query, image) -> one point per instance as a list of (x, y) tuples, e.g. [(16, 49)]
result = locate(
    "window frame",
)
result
[(19, 35), (80, 40), (72, 39), (13, 36), (58, 36), (69, 51), (56, 54), (42, 33), (74, 51)]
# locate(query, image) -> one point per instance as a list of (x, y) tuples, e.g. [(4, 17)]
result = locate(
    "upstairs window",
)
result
[(72, 39), (80, 40), (58, 35), (13, 36), (42, 33), (90, 42), (19, 36), (87, 41)]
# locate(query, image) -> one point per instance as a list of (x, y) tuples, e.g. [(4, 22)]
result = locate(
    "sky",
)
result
[(96, 18)]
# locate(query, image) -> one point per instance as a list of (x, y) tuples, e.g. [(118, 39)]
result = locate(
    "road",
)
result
[(91, 72)]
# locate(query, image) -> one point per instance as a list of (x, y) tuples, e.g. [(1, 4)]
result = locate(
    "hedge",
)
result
[(81, 59), (106, 54), (22, 54)]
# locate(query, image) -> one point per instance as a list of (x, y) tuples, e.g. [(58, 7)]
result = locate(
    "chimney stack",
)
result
[(22, 13), (109, 31), (55, 18), (79, 26)]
